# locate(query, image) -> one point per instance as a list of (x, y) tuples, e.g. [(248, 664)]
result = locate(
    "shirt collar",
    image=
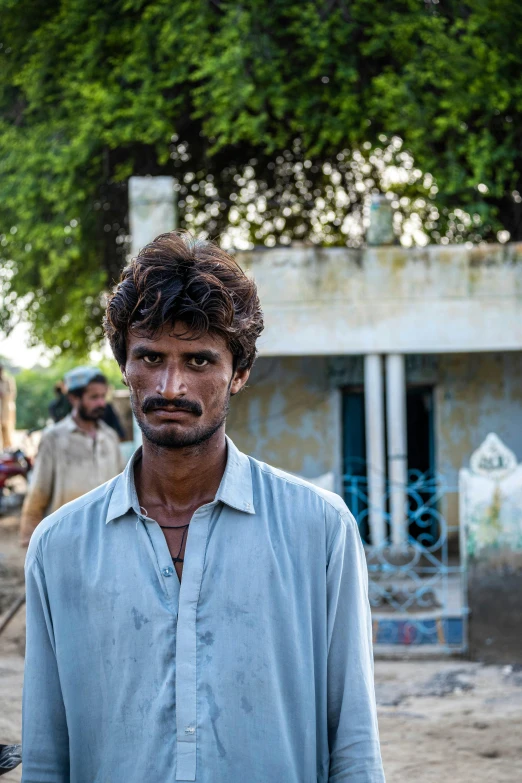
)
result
[(69, 423), (124, 497), (235, 489)]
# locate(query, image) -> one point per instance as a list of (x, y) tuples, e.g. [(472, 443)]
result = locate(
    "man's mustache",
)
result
[(181, 404)]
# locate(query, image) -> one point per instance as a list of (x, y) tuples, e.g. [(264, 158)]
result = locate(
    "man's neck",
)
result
[(181, 478), (88, 425)]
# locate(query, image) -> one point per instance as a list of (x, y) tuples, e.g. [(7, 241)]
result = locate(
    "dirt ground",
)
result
[(440, 720)]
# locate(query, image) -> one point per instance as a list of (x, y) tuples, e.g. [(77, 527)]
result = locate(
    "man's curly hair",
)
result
[(180, 279)]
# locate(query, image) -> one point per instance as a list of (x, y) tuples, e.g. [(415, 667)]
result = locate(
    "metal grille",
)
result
[(417, 591)]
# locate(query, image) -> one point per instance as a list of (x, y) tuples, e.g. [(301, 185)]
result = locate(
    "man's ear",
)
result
[(123, 375), (239, 380)]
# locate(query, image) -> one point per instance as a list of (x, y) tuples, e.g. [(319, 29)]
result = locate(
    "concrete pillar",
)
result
[(380, 231), (152, 209), (397, 446), (375, 447)]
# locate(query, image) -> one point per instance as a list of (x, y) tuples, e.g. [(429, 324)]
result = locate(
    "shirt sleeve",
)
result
[(352, 715), (40, 491), (45, 742)]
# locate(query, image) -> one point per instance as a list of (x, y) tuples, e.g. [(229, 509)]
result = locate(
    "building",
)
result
[(380, 371)]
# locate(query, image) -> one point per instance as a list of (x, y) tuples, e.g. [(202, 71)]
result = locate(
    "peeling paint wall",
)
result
[(290, 413), (475, 394), (288, 416)]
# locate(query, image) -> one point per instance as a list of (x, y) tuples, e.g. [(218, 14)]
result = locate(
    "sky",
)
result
[(15, 349)]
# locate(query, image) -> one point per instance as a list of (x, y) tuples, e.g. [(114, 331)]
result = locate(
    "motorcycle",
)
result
[(12, 464)]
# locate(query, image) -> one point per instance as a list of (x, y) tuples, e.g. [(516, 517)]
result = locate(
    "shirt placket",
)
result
[(186, 644), (163, 560)]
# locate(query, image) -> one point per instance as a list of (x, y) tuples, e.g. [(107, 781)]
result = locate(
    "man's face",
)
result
[(91, 405), (180, 388)]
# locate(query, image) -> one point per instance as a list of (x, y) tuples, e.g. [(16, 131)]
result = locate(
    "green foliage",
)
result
[(261, 111), (35, 389)]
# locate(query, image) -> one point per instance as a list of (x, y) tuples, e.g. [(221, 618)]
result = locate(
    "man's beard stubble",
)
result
[(167, 437), (95, 415)]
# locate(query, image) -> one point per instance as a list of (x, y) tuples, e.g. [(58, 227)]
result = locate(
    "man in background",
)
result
[(76, 455), (60, 407), (7, 408)]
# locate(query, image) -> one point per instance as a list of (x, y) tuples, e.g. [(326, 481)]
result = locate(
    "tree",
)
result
[(276, 119)]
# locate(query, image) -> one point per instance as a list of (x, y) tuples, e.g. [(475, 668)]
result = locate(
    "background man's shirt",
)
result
[(256, 669), (69, 463)]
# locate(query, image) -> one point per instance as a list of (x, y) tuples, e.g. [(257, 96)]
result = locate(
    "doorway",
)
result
[(420, 439)]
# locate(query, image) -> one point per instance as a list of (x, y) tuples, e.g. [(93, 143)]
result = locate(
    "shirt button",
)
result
[(168, 571)]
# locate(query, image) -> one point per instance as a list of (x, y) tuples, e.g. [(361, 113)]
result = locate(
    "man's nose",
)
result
[(171, 383)]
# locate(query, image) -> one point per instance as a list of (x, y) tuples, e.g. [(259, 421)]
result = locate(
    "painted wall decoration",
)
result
[(491, 500)]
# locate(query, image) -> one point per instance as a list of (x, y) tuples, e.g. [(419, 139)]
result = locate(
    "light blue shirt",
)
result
[(257, 669)]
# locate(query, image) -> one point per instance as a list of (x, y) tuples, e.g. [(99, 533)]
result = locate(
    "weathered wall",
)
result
[(390, 299), (289, 396), (290, 416), (287, 416), (475, 394)]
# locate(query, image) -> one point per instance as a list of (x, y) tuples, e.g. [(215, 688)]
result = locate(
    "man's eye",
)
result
[(197, 361), (152, 358)]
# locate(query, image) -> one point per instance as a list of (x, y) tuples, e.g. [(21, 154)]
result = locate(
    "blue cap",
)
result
[(80, 377)]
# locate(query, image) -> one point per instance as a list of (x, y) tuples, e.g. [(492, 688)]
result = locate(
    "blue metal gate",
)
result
[(417, 591)]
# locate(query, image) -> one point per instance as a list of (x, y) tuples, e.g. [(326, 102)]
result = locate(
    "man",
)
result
[(60, 407), (203, 617), (75, 455), (7, 408)]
